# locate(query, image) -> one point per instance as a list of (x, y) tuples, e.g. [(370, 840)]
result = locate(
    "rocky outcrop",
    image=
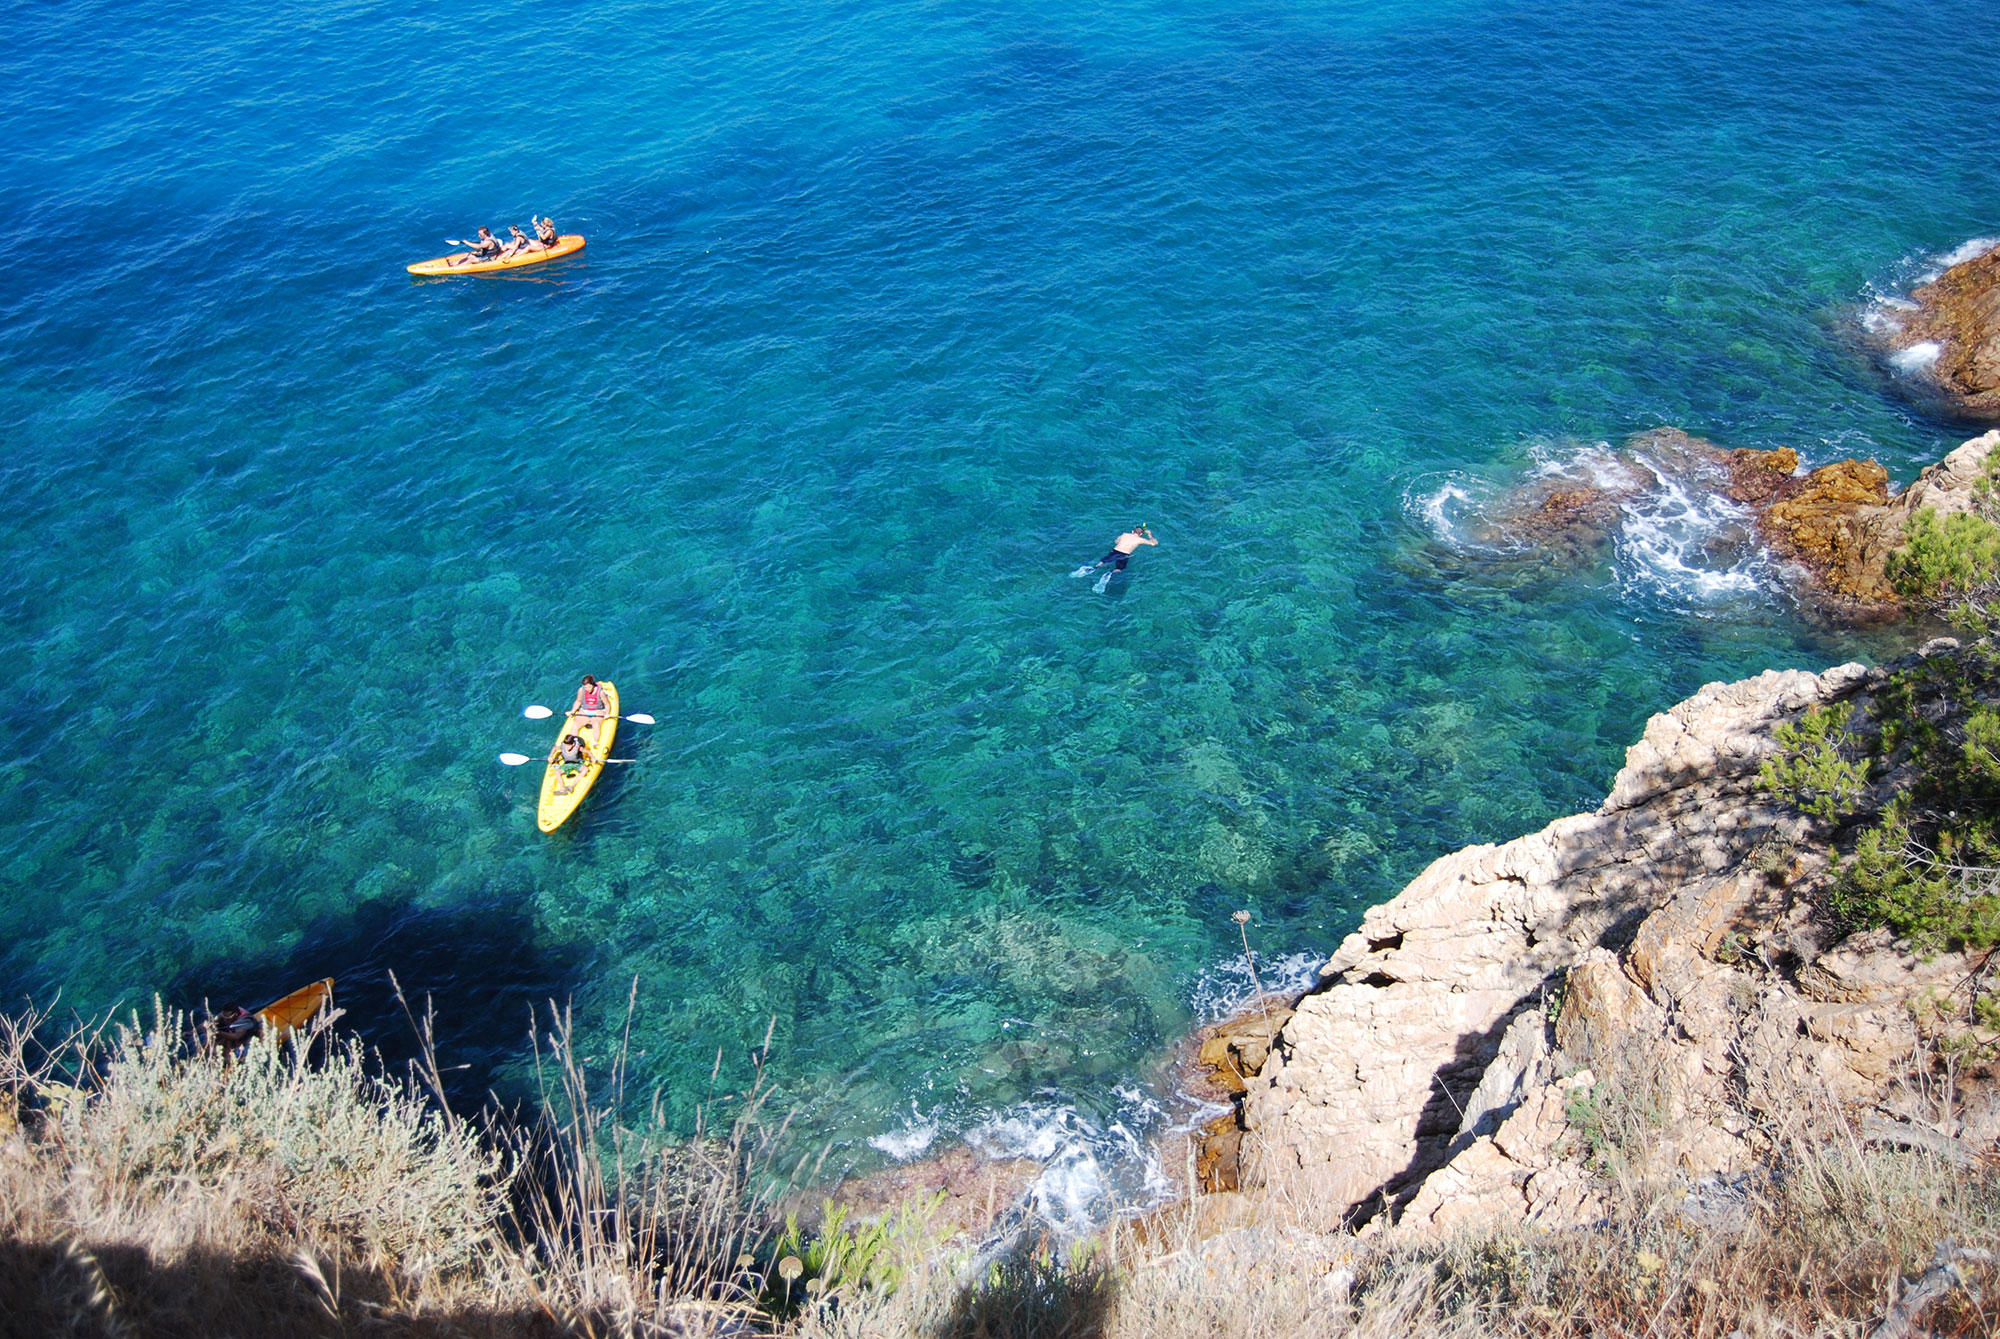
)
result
[(1837, 524), (1955, 328), (1840, 523), (1669, 942)]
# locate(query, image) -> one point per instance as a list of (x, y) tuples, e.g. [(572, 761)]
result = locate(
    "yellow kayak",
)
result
[(296, 1009), (566, 245), (564, 786)]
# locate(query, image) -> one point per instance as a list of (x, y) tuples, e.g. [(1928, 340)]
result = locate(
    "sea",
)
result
[(892, 317)]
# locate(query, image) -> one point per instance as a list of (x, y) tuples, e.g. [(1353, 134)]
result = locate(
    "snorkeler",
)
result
[(1122, 549)]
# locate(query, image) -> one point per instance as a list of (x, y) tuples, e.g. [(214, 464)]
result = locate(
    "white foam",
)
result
[(1226, 988), (1093, 1167), (1597, 465), (1671, 538), (1441, 503), (1971, 250), (1917, 358), (1877, 321), (916, 1135)]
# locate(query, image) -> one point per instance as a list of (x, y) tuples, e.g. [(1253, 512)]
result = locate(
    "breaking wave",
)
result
[(1670, 529)]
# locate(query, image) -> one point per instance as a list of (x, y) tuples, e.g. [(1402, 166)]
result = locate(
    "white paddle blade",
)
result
[(641, 717), (538, 713), (514, 759)]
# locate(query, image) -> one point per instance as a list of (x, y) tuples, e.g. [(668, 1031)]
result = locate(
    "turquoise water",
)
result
[(891, 316)]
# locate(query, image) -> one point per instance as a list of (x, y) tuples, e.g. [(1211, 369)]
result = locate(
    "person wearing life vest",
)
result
[(232, 1030), (591, 705), (570, 753)]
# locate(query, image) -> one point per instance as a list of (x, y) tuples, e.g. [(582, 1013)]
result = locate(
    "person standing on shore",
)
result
[(1122, 549)]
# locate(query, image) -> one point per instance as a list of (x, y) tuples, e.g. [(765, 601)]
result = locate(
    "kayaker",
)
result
[(545, 232), (591, 703), (484, 247), (518, 245), (1122, 549), (570, 753), (234, 1028)]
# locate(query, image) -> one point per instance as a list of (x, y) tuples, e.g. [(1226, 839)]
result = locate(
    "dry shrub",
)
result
[(631, 1231), (185, 1191), (1817, 1242), (300, 1192)]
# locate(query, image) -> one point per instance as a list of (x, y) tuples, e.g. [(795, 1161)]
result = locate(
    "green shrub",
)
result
[(1948, 558), (1809, 770)]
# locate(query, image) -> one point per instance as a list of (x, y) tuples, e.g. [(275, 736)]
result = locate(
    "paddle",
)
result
[(516, 759), (541, 713)]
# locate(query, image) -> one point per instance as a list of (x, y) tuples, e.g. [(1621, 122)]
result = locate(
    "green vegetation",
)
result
[(1810, 770), (838, 1260), (1951, 564), (1924, 861)]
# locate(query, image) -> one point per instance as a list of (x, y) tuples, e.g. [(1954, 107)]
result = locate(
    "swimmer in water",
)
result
[(1122, 549)]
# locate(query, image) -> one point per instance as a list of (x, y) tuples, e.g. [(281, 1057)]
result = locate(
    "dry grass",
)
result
[(299, 1192)]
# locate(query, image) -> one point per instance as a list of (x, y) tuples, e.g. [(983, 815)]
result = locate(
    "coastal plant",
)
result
[(834, 1261), (1810, 769), (1946, 560), (1925, 865), (633, 1227), (217, 1191)]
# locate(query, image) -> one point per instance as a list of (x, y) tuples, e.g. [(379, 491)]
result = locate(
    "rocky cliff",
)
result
[(1673, 938)]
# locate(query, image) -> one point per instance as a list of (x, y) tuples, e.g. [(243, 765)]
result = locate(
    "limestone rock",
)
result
[(1366, 1093), (1871, 967), (1603, 1009)]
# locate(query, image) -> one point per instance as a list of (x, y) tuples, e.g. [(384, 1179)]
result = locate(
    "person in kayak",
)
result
[(569, 754), (591, 703), (545, 232), (484, 247), (233, 1028), (1122, 549), (520, 243)]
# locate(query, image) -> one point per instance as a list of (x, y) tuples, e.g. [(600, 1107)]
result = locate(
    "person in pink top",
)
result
[(591, 704)]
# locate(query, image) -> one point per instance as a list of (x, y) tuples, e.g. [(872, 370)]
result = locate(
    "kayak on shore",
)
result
[(566, 245)]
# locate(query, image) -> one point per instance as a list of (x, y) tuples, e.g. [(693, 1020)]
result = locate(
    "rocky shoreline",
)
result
[(1948, 333), (1434, 1074), (1443, 1069)]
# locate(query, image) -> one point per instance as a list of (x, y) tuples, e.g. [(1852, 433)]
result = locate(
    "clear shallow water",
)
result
[(891, 316)]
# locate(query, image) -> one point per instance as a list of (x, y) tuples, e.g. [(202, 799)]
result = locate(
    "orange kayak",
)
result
[(296, 1009), (566, 245)]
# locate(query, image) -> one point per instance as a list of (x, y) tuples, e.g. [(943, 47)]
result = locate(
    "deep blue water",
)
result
[(891, 316)]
